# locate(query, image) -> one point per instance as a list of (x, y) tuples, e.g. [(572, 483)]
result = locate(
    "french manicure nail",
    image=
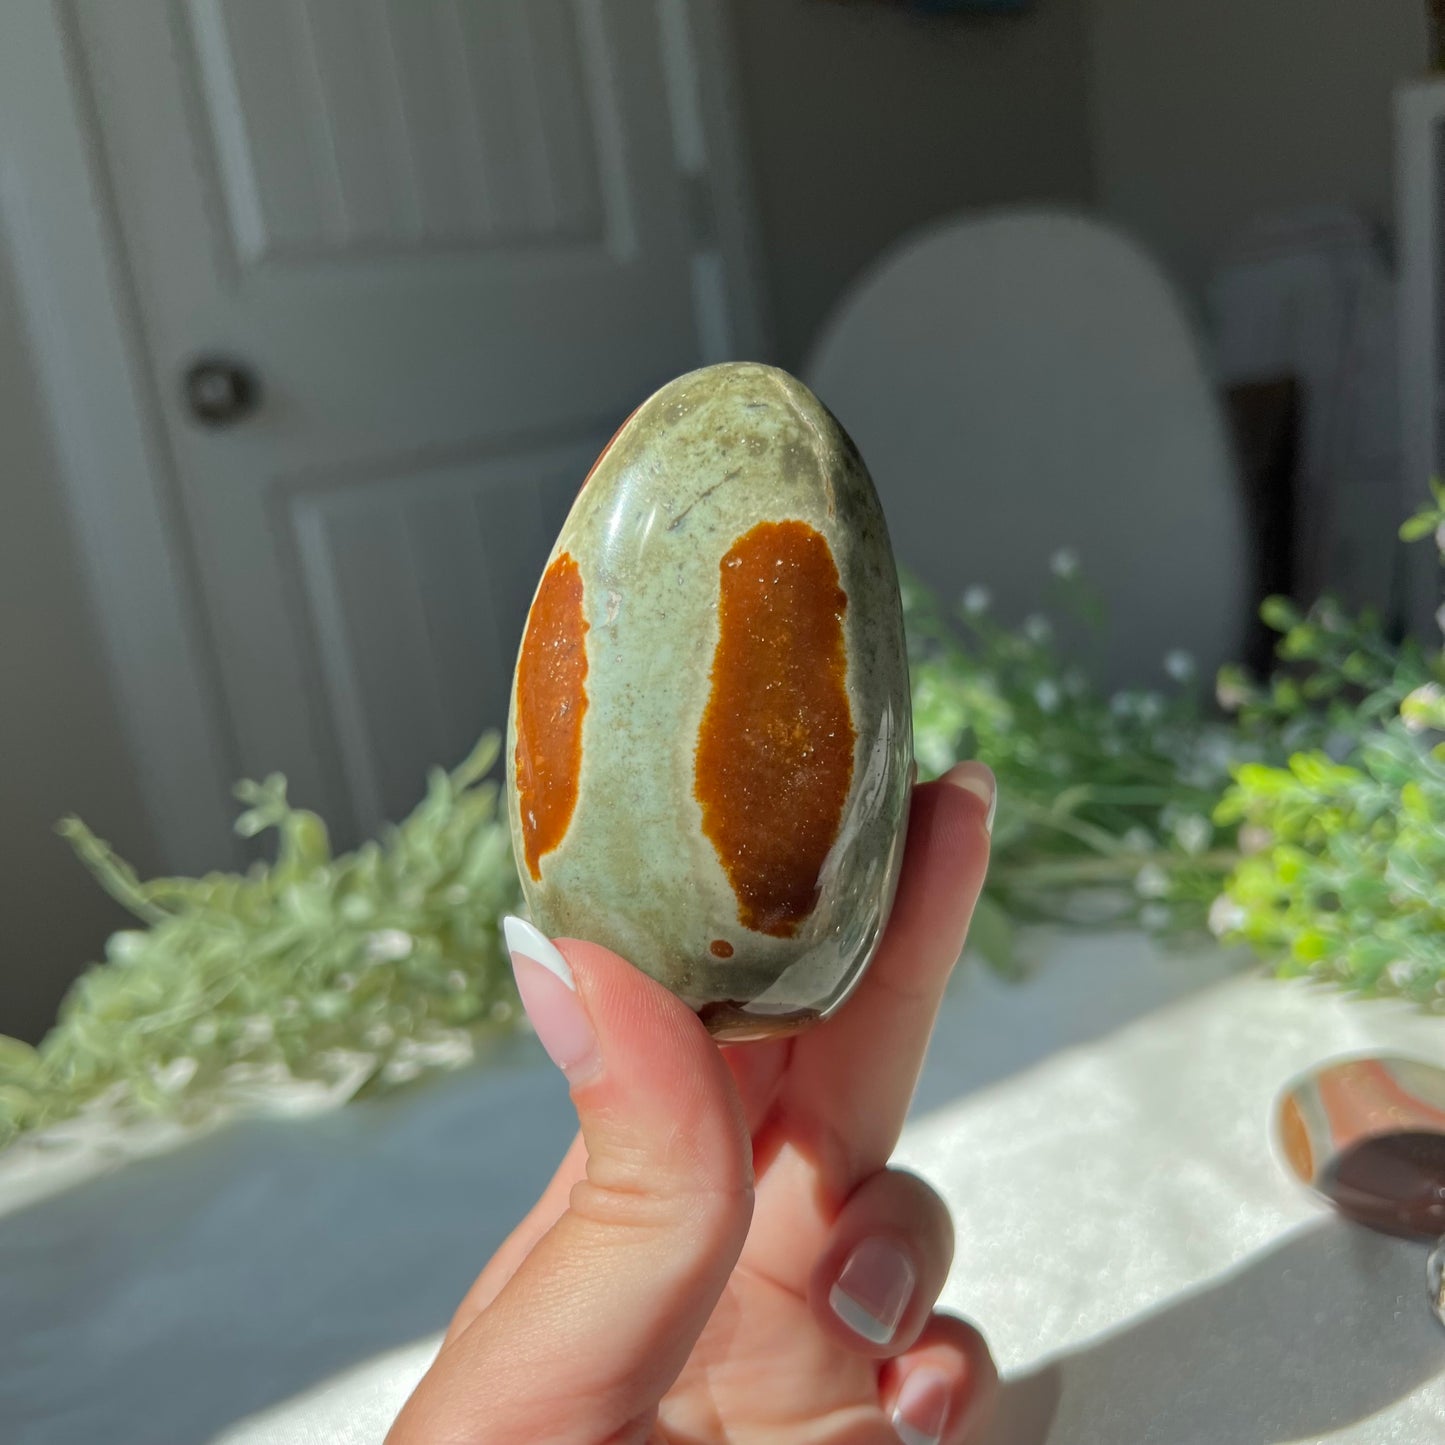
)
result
[(549, 995), (978, 779), (921, 1414), (873, 1289)]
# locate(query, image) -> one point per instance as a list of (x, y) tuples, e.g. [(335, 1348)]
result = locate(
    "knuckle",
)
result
[(625, 1199)]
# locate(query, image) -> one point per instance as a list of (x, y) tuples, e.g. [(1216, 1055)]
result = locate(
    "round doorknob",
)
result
[(219, 391)]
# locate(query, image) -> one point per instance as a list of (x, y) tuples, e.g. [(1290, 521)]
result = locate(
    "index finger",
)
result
[(853, 1075)]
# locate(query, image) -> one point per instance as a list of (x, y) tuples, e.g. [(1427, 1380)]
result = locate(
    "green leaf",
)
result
[(1422, 524), (1279, 614), (992, 933)]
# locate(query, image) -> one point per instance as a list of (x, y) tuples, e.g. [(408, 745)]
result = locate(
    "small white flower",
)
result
[(1138, 840), (1179, 664), (1151, 881), (126, 946), (388, 945), (1046, 694), (1193, 833), (171, 1078), (978, 599), (1225, 916), (356, 909), (203, 1032), (1424, 708), (1064, 563), (1402, 972), (1038, 629), (1230, 694), (1254, 838), (257, 1029), (327, 1004), (457, 894)]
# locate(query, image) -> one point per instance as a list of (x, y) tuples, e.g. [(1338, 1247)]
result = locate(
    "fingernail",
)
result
[(873, 1290), (549, 994), (978, 779), (921, 1414)]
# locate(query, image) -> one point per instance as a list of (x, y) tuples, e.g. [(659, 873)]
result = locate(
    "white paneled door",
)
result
[(398, 269)]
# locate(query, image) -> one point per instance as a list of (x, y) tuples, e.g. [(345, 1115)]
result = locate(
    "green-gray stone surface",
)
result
[(704, 460)]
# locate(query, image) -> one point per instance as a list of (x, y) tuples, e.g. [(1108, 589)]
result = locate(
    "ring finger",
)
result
[(884, 1265)]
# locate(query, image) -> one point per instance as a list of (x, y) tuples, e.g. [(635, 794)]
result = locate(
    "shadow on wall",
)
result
[(864, 121), (60, 745), (1317, 1334)]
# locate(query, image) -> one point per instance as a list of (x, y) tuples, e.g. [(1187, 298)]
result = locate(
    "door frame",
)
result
[(83, 324)]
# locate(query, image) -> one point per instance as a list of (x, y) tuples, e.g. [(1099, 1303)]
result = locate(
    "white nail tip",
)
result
[(530, 942), (908, 1435), (921, 1413), (985, 794), (874, 1330)]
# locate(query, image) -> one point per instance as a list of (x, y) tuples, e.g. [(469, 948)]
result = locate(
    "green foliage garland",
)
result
[(1106, 802), (1309, 826), (351, 972), (1343, 877)]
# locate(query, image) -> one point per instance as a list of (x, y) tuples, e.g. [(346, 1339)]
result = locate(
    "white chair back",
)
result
[(1024, 382)]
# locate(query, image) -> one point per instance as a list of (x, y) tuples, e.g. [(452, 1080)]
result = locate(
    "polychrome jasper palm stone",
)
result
[(710, 740)]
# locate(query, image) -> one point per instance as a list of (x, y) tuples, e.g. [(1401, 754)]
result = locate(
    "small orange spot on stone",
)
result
[(720, 948), (774, 759), (551, 702), (608, 447), (1295, 1138)]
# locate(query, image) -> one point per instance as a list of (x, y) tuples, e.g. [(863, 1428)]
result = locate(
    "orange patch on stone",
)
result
[(774, 759), (551, 702), (720, 948), (1295, 1139)]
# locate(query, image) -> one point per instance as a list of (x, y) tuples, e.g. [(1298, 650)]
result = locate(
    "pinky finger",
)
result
[(943, 1390)]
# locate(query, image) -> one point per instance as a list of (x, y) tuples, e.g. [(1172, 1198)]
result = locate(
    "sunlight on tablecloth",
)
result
[(1145, 1271)]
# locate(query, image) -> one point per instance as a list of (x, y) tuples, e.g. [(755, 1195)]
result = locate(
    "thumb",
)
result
[(597, 1322)]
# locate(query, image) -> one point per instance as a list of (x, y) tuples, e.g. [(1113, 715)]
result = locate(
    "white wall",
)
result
[(1207, 112), (864, 121), (60, 750)]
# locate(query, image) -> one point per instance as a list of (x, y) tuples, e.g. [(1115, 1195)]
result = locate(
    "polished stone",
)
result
[(710, 735)]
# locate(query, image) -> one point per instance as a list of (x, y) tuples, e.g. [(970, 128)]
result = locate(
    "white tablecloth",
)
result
[(1145, 1272)]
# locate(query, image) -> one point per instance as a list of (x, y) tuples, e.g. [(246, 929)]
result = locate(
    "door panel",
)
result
[(345, 125), (447, 229), (416, 586)]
